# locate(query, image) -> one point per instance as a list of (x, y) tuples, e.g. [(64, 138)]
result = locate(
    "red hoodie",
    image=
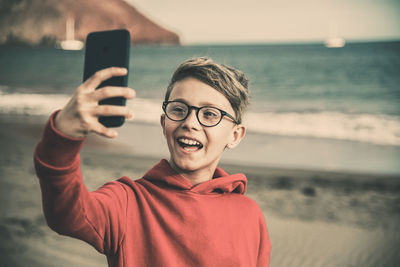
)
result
[(158, 220)]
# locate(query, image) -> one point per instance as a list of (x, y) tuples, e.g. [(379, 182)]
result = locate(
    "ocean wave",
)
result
[(370, 128), (31, 104)]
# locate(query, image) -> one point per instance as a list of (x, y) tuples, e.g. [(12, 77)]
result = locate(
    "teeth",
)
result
[(189, 142)]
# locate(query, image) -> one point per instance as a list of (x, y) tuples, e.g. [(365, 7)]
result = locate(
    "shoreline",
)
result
[(32, 126), (300, 153)]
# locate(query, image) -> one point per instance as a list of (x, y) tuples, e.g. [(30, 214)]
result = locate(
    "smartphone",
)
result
[(108, 49)]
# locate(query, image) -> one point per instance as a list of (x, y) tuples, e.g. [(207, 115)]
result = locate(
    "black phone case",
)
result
[(108, 49)]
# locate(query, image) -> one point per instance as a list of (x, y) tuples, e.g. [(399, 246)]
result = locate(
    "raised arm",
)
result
[(95, 217)]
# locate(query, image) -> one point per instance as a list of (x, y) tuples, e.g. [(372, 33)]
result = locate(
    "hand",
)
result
[(80, 116)]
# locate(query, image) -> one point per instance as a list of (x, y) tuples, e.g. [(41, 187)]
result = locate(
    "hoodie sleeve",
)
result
[(264, 250), (70, 209)]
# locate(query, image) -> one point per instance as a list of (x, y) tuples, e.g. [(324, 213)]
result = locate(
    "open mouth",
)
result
[(189, 145)]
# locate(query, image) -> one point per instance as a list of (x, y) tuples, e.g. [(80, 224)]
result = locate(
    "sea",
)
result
[(312, 107)]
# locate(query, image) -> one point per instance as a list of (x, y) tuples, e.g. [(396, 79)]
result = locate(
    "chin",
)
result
[(186, 165)]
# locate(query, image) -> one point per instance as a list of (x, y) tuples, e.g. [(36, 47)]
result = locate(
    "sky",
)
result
[(263, 21)]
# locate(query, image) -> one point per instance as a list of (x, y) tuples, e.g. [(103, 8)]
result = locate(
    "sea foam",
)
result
[(369, 128)]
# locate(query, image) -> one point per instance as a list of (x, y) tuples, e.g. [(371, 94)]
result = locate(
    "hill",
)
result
[(43, 22)]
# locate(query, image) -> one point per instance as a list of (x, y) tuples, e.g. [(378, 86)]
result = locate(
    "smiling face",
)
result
[(195, 150)]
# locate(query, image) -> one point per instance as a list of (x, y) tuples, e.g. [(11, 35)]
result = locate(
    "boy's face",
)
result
[(213, 140)]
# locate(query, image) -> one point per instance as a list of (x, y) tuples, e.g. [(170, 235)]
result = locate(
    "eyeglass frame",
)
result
[(190, 108)]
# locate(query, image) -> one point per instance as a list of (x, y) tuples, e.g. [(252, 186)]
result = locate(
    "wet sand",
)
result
[(314, 218)]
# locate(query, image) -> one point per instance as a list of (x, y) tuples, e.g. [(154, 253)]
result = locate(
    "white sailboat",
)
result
[(70, 43), (334, 41)]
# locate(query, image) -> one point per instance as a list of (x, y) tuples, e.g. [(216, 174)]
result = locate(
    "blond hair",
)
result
[(232, 83)]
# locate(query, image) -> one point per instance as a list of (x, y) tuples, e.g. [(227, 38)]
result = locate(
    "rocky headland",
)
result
[(43, 22)]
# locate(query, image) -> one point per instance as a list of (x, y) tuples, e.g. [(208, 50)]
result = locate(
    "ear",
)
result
[(238, 133), (162, 122)]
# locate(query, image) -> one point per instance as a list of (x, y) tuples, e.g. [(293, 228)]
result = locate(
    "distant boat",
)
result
[(70, 43), (334, 41)]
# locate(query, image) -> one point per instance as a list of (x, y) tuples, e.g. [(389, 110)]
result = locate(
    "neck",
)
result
[(197, 176)]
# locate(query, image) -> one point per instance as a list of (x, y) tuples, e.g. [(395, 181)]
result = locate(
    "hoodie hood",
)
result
[(222, 182)]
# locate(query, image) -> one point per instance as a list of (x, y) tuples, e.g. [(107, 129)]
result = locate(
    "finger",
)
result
[(113, 91), (96, 79), (104, 131), (113, 110)]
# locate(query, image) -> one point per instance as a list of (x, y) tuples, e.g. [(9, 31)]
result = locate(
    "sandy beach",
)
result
[(314, 218)]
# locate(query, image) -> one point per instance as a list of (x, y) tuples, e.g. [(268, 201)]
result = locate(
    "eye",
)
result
[(177, 108), (210, 113)]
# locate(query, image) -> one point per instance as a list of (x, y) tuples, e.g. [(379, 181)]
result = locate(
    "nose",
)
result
[(191, 121)]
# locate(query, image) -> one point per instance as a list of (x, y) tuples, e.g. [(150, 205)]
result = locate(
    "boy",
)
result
[(185, 211)]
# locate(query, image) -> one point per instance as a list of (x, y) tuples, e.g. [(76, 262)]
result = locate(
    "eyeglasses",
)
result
[(207, 116)]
